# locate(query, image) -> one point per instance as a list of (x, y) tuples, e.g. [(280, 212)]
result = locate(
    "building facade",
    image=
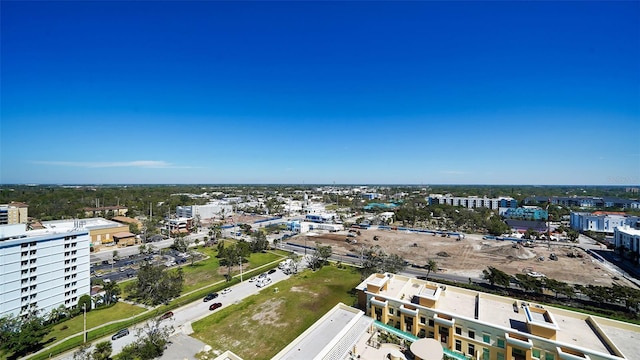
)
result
[(14, 213), (42, 269), (101, 230), (525, 213), (472, 202), (489, 327), (629, 238), (601, 221), (208, 211)]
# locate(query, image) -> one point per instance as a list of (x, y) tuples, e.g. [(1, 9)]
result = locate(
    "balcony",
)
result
[(518, 341)]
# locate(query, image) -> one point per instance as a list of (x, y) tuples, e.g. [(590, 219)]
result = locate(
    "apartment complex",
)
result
[(208, 211), (13, 213), (489, 327), (42, 269), (629, 238), (601, 221), (473, 202), (525, 213)]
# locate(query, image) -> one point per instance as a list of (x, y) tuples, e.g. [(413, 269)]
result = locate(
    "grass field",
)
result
[(262, 325), (94, 318), (209, 271)]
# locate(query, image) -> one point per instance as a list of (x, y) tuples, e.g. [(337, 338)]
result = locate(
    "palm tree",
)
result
[(432, 265)]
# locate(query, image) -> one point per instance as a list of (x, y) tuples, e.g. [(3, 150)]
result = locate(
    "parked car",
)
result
[(166, 315), (252, 279), (271, 271), (225, 291), (210, 297), (215, 306), (263, 282), (120, 333)]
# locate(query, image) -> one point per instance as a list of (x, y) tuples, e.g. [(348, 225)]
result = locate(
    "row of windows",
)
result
[(66, 246), (25, 253), (24, 281), (24, 245), (26, 271)]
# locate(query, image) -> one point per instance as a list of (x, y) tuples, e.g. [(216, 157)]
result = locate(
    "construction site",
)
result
[(467, 256)]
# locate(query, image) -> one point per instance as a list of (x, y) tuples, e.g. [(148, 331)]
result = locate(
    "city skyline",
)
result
[(320, 93)]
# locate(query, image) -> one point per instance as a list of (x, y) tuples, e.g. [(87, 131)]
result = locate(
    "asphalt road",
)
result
[(184, 316)]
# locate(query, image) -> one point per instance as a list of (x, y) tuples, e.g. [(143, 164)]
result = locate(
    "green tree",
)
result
[(180, 244), (155, 285), (432, 266), (85, 300), (21, 336), (496, 276), (497, 227), (102, 351), (259, 241), (111, 291), (133, 228), (572, 235), (320, 256)]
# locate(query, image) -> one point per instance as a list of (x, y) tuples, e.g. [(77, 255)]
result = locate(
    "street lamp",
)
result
[(84, 309), (240, 268)]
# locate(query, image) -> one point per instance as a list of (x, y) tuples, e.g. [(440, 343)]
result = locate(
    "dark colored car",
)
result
[(166, 315), (210, 297), (120, 333), (271, 271), (215, 306)]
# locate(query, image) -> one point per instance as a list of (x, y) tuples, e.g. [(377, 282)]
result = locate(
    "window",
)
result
[(423, 320), (67, 253), (536, 353), (32, 261), (486, 338), (471, 349), (25, 298), (24, 289), (32, 252), (500, 356), (431, 335), (24, 281), (390, 311), (472, 334), (25, 253), (549, 356), (25, 271), (431, 323), (24, 262), (32, 287), (458, 345), (33, 278), (458, 331), (485, 354), (501, 343)]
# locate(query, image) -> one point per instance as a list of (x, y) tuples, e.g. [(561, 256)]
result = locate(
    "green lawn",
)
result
[(94, 318), (208, 271), (262, 325)]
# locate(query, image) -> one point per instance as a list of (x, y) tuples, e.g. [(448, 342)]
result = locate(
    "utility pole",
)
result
[(84, 309)]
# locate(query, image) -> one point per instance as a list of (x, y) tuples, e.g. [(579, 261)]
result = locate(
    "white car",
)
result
[(263, 282), (225, 291), (253, 279)]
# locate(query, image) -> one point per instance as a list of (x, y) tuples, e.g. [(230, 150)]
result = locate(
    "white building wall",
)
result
[(43, 270)]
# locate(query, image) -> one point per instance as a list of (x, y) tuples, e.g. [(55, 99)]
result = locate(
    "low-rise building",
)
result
[(490, 327), (101, 231), (525, 213), (601, 221), (105, 211)]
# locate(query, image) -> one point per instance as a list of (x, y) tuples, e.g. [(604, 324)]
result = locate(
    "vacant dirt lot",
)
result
[(468, 257)]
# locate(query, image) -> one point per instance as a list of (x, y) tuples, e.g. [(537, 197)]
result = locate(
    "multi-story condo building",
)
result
[(42, 269), (601, 221), (482, 326), (473, 202), (628, 237), (586, 201), (525, 213), (14, 213)]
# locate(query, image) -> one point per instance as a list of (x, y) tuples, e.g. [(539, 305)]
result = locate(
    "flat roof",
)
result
[(324, 337), (89, 224), (573, 329)]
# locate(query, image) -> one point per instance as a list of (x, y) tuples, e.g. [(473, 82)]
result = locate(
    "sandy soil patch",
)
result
[(468, 257)]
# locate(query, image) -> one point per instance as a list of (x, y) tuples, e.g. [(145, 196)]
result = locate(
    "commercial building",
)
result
[(601, 221), (101, 231), (489, 327), (208, 211), (629, 238), (14, 213), (42, 269), (473, 202)]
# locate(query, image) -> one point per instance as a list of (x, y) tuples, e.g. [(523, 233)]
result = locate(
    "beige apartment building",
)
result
[(14, 213), (476, 325)]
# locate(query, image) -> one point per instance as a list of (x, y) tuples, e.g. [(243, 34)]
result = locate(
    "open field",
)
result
[(468, 257), (263, 324)]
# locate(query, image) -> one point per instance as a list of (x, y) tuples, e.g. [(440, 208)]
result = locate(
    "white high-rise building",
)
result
[(42, 269)]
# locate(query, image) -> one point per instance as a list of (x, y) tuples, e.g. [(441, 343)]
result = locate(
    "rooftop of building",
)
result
[(573, 329), (126, 220), (89, 224), (629, 230)]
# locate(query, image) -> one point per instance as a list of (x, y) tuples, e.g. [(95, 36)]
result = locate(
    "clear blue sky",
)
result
[(320, 92)]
